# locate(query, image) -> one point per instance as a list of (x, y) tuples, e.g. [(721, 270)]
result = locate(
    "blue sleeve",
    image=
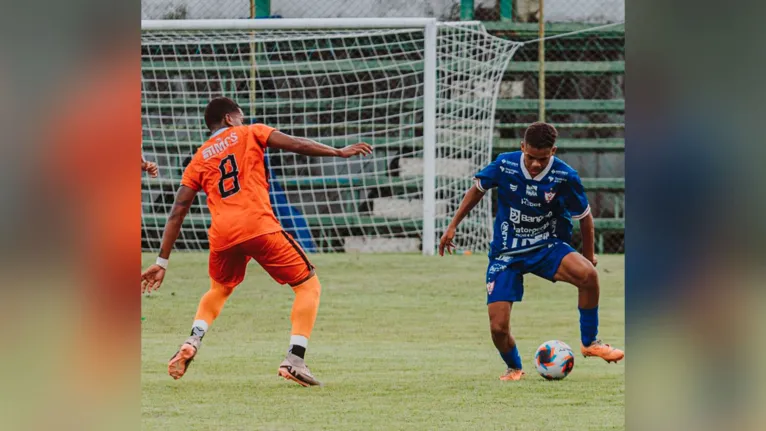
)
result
[(488, 177), (575, 199)]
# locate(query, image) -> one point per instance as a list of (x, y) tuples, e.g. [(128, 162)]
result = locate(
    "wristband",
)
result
[(162, 262)]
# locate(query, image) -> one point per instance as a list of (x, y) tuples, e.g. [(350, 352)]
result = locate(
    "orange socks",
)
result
[(303, 316), (210, 307), (304, 312)]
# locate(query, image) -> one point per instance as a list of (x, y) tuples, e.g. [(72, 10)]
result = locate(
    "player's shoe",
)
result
[(603, 351), (294, 368), (512, 374), (179, 363)]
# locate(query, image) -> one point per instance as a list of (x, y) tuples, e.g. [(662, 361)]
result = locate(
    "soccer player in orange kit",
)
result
[(230, 169)]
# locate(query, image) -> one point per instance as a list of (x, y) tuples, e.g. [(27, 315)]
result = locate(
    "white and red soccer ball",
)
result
[(554, 360)]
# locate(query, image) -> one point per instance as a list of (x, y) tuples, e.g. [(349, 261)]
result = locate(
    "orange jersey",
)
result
[(230, 168)]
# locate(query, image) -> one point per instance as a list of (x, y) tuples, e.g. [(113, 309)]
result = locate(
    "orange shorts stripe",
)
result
[(277, 253)]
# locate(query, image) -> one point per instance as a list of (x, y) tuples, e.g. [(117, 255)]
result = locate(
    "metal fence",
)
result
[(575, 82), (559, 11)]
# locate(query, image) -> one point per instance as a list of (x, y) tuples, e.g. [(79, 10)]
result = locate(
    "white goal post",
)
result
[(423, 93)]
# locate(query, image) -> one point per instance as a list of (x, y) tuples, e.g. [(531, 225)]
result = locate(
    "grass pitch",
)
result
[(401, 343)]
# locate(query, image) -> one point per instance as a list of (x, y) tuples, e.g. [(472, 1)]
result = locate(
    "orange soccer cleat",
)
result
[(294, 368), (512, 374), (179, 363), (603, 351)]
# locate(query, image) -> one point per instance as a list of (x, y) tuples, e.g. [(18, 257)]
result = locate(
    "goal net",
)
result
[(423, 94)]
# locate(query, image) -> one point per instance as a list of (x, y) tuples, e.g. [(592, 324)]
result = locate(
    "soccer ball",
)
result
[(554, 360)]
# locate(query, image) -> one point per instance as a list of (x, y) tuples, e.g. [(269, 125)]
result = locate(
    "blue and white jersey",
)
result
[(532, 212)]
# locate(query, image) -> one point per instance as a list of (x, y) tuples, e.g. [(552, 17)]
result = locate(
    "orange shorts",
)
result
[(276, 252)]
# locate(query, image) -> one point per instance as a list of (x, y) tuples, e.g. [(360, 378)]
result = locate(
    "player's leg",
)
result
[(286, 262), (227, 270), (503, 289), (560, 262)]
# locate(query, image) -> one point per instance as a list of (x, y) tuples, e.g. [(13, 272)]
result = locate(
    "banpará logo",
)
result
[(515, 216), (536, 219)]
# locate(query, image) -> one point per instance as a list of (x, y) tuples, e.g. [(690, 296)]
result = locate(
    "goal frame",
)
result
[(429, 26)]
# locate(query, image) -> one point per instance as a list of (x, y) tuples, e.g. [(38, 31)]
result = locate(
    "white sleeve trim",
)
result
[(478, 185), (581, 216)]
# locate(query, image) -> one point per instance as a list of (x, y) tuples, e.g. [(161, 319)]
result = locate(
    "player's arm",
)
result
[(486, 179), (576, 201), (152, 278), (588, 231), (308, 147), (471, 198)]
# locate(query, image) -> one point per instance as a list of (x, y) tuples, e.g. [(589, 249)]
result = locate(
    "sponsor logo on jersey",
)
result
[(509, 171), (514, 187), (497, 267), (536, 219), (504, 232), (557, 180), (220, 145), (531, 190), (508, 162), (525, 232), (515, 216), (549, 196), (523, 242), (527, 202), (562, 173)]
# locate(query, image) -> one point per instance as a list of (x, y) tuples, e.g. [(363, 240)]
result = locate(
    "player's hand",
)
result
[(593, 259), (446, 241), (151, 168), (151, 279), (362, 148)]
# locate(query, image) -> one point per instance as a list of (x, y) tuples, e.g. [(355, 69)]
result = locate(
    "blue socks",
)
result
[(588, 333), (512, 358), (588, 325)]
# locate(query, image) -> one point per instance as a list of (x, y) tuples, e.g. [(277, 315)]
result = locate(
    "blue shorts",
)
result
[(505, 274)]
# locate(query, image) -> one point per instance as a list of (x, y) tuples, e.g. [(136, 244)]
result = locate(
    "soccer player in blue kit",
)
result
[(538, 196)]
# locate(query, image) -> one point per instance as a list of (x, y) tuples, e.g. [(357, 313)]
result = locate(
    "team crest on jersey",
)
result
[(515, 216), (531, 190), (549, 196), (490, 287)]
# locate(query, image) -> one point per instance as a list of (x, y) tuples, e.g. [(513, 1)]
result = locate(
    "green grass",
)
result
[(401, 343)]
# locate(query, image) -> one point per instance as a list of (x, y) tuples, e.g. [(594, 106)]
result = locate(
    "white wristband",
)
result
[(162, 262)]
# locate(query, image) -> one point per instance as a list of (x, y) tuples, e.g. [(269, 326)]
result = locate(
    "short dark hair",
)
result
[(541, 135), (217, 109)]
